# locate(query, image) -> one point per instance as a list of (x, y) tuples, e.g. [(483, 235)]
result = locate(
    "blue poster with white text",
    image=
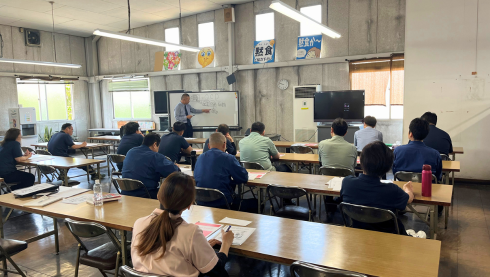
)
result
[(264, 51), (309, 47)]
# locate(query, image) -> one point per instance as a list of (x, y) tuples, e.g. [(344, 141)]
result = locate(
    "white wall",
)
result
[(440, 56)]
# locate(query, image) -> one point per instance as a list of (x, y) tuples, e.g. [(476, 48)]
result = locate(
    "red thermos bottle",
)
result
[(426, 180)]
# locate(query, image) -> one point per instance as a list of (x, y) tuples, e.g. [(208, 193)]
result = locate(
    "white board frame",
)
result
[(201, 128)]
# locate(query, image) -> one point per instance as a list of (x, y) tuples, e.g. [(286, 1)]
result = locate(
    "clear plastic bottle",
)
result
[(98, 194)]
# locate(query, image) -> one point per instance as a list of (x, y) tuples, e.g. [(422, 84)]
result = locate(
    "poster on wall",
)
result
[(309, 47), (168, 60), (264, 51), (205, 57)]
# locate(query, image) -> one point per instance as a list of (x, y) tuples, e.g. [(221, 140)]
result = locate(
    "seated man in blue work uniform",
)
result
[(145, 164), (132, 138), (173, 145), (437, 138), (60, 142), (230, 145), (216, 169), (412, 156)]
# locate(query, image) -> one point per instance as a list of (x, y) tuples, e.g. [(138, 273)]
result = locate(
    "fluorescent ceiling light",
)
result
[(40, 63), (144, 40), (288, 11)]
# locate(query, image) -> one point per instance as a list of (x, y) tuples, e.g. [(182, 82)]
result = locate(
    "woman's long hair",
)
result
[(177, 192), (11, 135)]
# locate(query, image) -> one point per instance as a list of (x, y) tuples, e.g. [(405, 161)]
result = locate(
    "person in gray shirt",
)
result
[(368, 134), (182, 113)]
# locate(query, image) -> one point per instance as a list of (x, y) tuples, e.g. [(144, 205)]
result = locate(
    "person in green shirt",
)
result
[(258, 148)]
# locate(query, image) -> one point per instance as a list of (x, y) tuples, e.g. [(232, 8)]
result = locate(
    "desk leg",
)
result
[(93, 156), (98, 170), (56, 241), (123, 248), (108, 167), (88, 173), (452, 177), (38, 175), (446, 216), (320, 208), (433, 221), (65, 176), (259, 198), (1, 222)]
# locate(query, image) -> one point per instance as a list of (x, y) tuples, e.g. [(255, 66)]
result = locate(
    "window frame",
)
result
[(321, 15), (388, 91), (131, 102), (40, 99), (273, 27)]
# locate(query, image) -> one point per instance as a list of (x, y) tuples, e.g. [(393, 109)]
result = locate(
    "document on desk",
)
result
[(38, 159), (186, 169), (42, 201), (335, 184), (33, 189), (255, 175), (241, 234), (234, 221), (77, 199), (208, 229)]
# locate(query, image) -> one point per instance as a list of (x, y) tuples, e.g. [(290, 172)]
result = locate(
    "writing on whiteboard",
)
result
[(208, 100)]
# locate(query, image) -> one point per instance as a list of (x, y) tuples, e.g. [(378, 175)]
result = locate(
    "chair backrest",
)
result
[(85, 229), (250, 165), (286, 192), (116, 158), (302, 269), (412, 176), (369, 215), (336, 171), (42, 152), (445, 157), (274, 137), (127, 271), (301, 149), (210, 195), (126, 184)]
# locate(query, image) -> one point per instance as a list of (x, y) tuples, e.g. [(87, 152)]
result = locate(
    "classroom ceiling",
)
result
[(81, 17)]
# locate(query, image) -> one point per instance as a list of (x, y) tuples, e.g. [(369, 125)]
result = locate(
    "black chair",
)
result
[(114, 159), (127, 271), (253, 166), (412, 176), (368, 215), (104, 257), (210, 195), (289, 211), (302, 269), (49, 172), (43, 152), (8, 248), (336, 171), (302, 149), (125, 184), (445, 157)]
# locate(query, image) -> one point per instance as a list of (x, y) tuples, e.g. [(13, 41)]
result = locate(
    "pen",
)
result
[(229, 226)]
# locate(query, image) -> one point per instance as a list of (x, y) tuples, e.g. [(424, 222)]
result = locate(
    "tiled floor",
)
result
[(465, 244)]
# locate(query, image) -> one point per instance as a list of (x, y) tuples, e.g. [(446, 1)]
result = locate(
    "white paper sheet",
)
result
[(71, 192), (42, 201), (335, 184), (255, 175), (241, 234), (38, 159), (234, 221), (76, 200), (387, 181), (32, 189)]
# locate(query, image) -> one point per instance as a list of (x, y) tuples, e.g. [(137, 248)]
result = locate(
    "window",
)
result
[(206, 34), (53, 101), (131, 99), (383, 81), (172, 35), (315, 13), (264, 26)]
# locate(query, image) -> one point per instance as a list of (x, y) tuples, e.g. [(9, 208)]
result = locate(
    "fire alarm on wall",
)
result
[(229, 14)]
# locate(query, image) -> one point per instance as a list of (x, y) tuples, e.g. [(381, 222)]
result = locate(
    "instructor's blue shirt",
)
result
[(412, 156), (144, 165), (214, 169)]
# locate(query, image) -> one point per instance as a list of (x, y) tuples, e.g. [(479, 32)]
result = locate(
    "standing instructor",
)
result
[(182, 113)]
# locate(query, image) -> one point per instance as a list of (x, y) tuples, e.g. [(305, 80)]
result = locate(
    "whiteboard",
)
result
[(223, 105)]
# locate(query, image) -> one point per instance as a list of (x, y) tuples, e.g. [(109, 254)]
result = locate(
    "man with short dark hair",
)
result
[(145, 164), (132, 138), (216, 169), (230, 145), (257, 148), (368, 190), (437, 138), (412, 156), (60, 142), (182, 113), (337, 152), (173, 145), (368, 134)]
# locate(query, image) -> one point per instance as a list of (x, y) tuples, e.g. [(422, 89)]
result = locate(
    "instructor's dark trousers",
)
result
[(188, 133)]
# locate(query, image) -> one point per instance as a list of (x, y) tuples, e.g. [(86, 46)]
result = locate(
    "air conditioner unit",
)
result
[(303, 124)]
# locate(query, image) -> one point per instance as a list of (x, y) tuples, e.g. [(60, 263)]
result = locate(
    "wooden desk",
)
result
[(196, 140), (106, 138), (276, 239), (62, 163), (90, 147)]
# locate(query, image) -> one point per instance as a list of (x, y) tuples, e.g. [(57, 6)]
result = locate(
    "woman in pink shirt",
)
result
[(164, 243)]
